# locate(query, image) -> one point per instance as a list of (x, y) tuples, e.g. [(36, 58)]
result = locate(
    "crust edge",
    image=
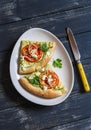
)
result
[(41, 64), (38, 91)]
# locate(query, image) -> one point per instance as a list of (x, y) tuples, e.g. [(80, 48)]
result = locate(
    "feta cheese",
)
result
[(48, 53), (43, 69), (44, 77), (50, 76), (50, 80), (37, 73), (33, 53), (34, 56), (44, 88)]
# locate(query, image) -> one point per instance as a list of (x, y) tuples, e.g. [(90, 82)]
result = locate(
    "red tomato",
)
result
[(49, 78), (32, 49)]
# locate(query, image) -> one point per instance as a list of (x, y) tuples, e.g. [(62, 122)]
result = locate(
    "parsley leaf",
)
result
[(44, 47), (57, 63), (35, 80)]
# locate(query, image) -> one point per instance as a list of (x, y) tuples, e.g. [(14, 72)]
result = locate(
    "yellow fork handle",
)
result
[(83, 77)]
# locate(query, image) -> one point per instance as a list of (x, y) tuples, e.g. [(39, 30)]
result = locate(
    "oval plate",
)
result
[(38, 34)]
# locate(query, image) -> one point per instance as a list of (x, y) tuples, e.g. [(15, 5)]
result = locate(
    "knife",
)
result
[(77, 57)]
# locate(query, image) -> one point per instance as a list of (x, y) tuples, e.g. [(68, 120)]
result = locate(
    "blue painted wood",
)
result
[(29, 114), (17, 10), (55, 23), (76, 107), (16, 17), (39, 117), (84, 124)]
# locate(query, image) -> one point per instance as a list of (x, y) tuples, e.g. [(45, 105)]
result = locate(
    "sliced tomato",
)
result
[(54, 80), (28, 56)]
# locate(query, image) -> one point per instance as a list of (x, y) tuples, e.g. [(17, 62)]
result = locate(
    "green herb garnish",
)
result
[(57, 63), (35, 80), (44, 47)]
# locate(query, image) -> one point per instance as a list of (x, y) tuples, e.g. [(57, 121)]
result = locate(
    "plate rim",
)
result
[(72, 81)]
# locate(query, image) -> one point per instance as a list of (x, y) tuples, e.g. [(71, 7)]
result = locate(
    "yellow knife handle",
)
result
[(83, 77)]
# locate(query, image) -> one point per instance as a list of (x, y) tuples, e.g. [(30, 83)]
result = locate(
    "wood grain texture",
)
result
[(84, 124), (16, 16), (17, 10), (29, 114), (17, 110), (55, 23)]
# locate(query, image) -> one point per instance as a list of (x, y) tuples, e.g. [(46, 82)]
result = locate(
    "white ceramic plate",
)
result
[(66, 73)]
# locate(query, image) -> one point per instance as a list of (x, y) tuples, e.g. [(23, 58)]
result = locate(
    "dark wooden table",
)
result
[(16, 16)]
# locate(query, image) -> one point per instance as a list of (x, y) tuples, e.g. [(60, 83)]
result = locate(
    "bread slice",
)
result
[(34, 55), (44, 83)]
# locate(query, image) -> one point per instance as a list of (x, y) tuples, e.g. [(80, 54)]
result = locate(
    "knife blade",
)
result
[(77, 57)]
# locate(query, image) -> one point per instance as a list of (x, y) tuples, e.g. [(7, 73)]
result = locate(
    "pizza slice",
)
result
[(44, 83), (34, 55)]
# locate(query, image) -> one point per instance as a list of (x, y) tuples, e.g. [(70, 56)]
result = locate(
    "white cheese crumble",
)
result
[(43, 69), (31, 76), (50, 76), (48, 53), (50, 79), (38, 73), (44, 88), (33, 53), (44, 77), (34, 56)]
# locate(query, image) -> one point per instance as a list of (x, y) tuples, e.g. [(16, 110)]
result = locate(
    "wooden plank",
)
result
[(84, 44), (84, 124), (17, 10), (57, 23), (15, 111), (35, 117)]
